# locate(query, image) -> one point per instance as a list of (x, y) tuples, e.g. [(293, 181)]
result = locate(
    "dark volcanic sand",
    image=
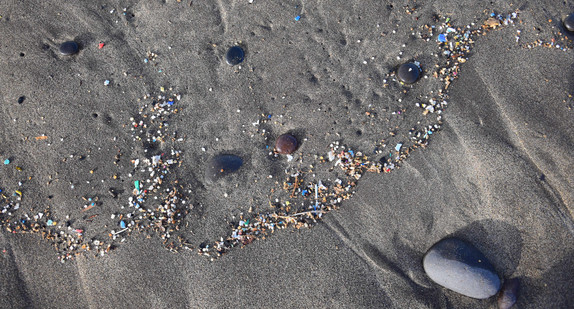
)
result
[(497, 173)]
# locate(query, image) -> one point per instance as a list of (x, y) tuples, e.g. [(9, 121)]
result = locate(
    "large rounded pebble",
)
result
[(569, 22), (235, 55), (408, 73), (286, 144), (69, 48), (509, 293), (459, 266), (222, 165)]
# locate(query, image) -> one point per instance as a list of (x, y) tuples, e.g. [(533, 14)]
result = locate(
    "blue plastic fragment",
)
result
[(442, 38), (398, 147), (352, 153), (170, 103), (50, 222), (123, 224), (7, 161), (297, 18)]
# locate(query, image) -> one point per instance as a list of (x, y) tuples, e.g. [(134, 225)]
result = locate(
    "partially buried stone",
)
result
[(509, 293), (235, 55), (459, 266), (69, 48), (569, 22), (222, 165), (286, 144), (408, 73)]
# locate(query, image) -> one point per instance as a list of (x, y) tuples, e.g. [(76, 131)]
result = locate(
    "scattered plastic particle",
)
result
[(101, 45), (442, 38), (123, 224), (50, 222), (398, 147), (106, 82), (297, 18), (7, 161)]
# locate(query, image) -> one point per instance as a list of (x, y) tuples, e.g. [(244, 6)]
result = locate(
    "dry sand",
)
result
[(498, 173)]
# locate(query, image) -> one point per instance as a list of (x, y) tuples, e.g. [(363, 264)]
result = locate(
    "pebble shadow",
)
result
[(500, 242)]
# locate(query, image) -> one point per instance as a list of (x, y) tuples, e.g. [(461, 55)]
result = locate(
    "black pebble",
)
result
[(222, 165), (21, 99), (569, 22), (113, 192), (69, 48), (286, 144), (235, 55), (408, 73)]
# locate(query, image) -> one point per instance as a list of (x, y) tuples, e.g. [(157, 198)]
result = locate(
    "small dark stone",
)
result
[(509, 293), (21, 99), (569, 22), (69, 48), (459, 266), (235, 55), (113, 192), (286, 144), (408, 73), (222, 165)]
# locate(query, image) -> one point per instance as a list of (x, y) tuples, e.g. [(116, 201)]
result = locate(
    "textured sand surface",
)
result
[(498, 173)]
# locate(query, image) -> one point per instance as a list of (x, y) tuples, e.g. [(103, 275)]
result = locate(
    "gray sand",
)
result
[(497, 174)]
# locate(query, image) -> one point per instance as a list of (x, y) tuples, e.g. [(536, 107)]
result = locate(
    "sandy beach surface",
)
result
[(105, 155)]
